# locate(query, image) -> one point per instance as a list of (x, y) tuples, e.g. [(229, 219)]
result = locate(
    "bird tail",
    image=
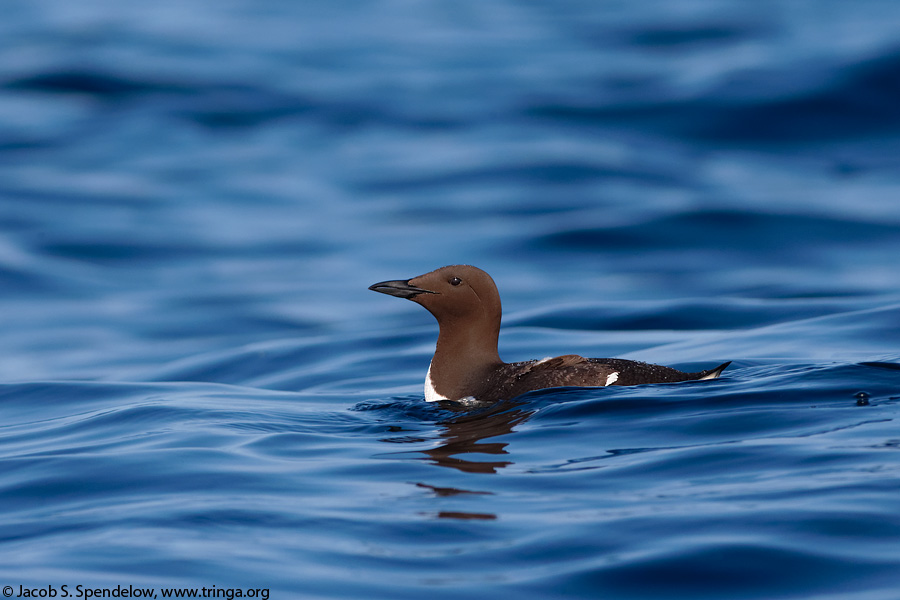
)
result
[(714, 373)]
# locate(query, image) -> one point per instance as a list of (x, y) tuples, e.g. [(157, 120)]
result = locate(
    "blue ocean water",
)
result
[(198, 391)]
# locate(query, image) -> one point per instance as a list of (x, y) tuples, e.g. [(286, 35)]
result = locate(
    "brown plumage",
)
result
[(466, 364)]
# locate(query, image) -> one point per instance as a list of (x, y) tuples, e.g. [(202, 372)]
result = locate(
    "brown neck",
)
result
[(464, 353)]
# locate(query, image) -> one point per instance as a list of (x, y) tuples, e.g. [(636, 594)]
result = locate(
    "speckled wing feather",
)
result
[(514, 379), (633, 372)]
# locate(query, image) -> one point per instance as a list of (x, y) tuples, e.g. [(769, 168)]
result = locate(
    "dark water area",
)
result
[(198, 390)]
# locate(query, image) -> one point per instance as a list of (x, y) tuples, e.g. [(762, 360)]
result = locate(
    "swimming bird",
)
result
[(466, 366)]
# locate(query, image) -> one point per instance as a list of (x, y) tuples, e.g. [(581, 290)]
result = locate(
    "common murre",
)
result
[(466, 365)]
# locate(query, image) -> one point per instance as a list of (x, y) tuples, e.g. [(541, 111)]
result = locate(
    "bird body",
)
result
[(466, 365)]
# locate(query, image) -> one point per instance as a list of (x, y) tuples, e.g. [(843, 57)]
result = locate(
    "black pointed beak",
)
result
[(398, 288)]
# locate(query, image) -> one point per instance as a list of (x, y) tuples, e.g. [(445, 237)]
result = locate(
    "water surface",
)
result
[(197, 389)]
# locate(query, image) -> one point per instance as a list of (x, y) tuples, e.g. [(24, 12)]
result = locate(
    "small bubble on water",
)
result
[(862, 398)]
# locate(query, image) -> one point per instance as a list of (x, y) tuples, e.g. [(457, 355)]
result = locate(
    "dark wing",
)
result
[(552, 364)]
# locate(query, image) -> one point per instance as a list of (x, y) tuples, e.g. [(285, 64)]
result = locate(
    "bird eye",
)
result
[(455, 281)]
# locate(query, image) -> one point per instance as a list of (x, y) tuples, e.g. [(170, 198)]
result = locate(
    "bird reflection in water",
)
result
[(465, 435)]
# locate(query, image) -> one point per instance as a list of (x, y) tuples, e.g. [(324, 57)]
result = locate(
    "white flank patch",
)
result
[(430, 394), (543, 360), (612, 378)]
